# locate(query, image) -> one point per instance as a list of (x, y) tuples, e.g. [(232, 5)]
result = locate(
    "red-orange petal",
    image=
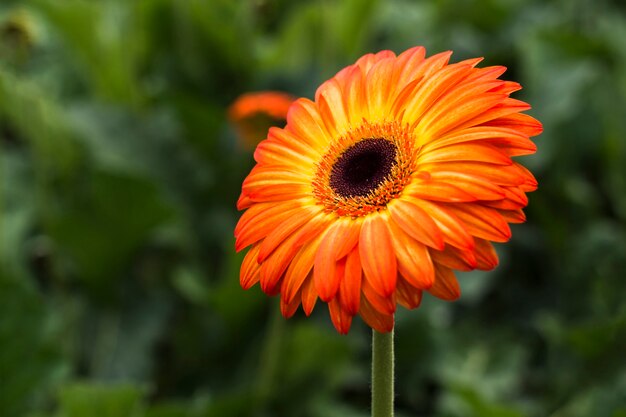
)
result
[(475, 152), (416, 222), (304, 120), (491, 134), (273, 268), (288, 308), (408, 296), (340, 318), (386, 305), (249, 273), (332, 109), (483, 222), (379, 86), (263, 176), (350, 286), (453, 229), (506, 108), (382, 323), (273, 152), (486, 256), (476, 187), (414, 262), (299, 269), (309, 295), (284, 230), (496, 174), (453, 113), (519, 122), (513, 216), (337, 242), (446, 286), (454, 258), (430, 189), (377, 256), (430, 89), (259, 220)]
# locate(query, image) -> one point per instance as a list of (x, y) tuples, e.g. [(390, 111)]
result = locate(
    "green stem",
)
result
[(382, 374), (270, 358)]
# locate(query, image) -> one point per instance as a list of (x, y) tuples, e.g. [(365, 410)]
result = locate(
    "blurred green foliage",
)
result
[(119, 291)]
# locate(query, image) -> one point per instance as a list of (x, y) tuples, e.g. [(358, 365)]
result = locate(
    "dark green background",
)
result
[(119, 292)]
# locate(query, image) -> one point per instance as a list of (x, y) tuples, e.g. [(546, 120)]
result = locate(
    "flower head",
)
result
[(399, 172), (254, 113)]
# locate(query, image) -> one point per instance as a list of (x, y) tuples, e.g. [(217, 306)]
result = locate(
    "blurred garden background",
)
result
[(119, 172)]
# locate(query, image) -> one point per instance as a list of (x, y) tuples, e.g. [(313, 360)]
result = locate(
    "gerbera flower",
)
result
[(254, 113), (399, 173)]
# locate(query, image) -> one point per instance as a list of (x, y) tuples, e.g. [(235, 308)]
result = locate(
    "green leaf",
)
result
[(104, 222), (89, 399)]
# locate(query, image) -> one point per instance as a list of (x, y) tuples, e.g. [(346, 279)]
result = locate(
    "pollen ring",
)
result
[(366, 168)]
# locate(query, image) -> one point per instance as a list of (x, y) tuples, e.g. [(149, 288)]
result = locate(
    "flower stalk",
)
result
[(382, 374)]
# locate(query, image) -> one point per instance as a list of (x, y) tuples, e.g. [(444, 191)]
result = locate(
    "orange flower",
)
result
[(397, 174), (254, 113)]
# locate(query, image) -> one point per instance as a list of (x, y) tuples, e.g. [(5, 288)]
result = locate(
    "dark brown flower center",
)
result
[(361, 168)]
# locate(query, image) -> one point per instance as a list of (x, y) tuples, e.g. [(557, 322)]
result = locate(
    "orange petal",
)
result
[(350, 286), (453, 229), (382, 323), (341, 319), (414, 262), (307, 124), (332, 110), (483, 222), (260, 219), (408, 296), (507, 107), (513, 216), (279, 192), (249, 272), (290, 140), (451, 257), (519, 122), (446, 286), (515, 146), (432, 64), (485, 74), (273, 268), (386, 305), (379, 87), (474, 152), (342, 236), (354, 94), (272, 152), (496, 174), (415, 222), (263, 176), (476, 187), (327, 272), (407, 63), (367, 61), (284, 230), (430, 189), (299, 269), (430, 89), (244, 201), (377, 256), (530, 183), (504, 204), (477, 133), (486, 256), (309, 295), (288, 308), (454, 110)]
